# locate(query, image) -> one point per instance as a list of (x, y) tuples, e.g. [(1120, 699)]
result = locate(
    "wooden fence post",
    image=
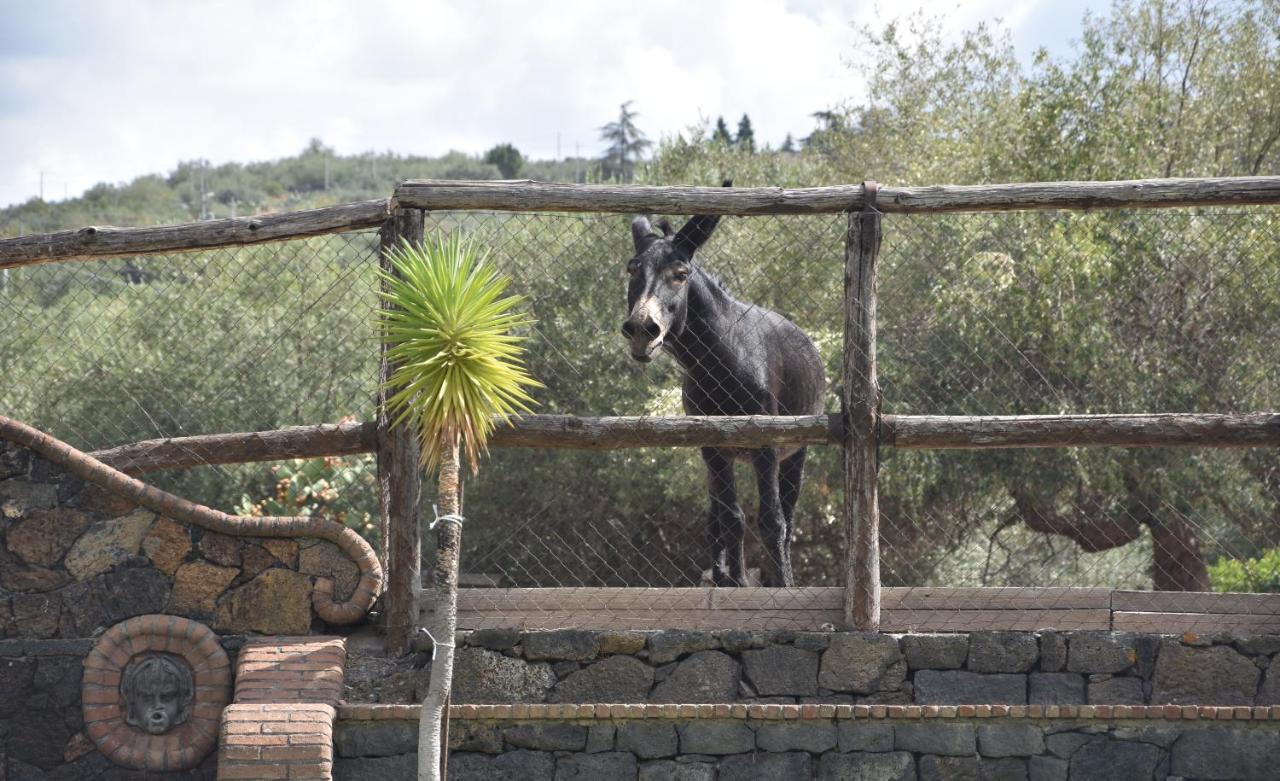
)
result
[(860, 408), (399, 479)]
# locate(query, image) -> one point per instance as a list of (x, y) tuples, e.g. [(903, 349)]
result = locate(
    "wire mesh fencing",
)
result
[(987, 314), (109, 352)]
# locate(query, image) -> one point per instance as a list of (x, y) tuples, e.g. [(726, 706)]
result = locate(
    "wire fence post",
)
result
[(860, 408), (399, 476)]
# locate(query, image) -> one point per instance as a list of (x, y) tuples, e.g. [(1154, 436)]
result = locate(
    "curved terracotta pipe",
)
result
[(179, 509)]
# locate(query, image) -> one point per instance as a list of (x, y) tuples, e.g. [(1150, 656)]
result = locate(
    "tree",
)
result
[(788, 145), (746, 141), (721, 135), (459, 370), (507, 158), (626, 145)]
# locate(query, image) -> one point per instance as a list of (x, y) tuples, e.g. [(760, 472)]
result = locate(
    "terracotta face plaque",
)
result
[(153, 692)]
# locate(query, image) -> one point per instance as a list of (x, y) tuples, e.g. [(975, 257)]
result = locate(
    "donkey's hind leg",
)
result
[(790, 478), (726, 523), (774, 538)]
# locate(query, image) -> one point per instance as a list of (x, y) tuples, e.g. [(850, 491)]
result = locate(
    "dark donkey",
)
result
[(738, 359)]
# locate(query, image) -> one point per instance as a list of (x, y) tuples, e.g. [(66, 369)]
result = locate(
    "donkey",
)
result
[(738, 359)]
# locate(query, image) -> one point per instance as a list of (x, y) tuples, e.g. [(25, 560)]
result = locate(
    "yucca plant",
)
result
[(458, 371)]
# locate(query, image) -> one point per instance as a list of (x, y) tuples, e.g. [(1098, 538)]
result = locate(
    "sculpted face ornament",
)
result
[(157, 690)]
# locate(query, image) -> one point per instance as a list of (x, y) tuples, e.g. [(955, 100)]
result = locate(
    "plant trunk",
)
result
[(448, 546)]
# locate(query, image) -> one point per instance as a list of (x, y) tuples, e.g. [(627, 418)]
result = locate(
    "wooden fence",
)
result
[(859, 428)]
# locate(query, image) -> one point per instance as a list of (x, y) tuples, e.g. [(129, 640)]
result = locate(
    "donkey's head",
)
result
[(658, 290)]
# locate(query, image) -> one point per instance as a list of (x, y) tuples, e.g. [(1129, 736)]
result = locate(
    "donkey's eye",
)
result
[(681, 276)]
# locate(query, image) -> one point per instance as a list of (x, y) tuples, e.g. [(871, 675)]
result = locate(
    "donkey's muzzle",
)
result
[(649, 328)]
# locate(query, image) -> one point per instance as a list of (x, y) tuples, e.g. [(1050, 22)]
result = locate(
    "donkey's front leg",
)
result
[(726, 523), (773, 526)]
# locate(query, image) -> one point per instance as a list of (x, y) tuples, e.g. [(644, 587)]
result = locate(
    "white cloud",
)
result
[(105, 92)]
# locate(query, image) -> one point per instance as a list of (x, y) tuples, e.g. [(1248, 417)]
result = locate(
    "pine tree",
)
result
[(721, 134), (788, 145), (746, 141), (626, 145)]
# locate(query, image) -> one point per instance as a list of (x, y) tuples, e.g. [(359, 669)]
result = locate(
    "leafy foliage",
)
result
[(335, 488), (458, 367), (1261, 574)]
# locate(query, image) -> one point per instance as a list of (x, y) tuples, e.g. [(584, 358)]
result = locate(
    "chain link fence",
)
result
[(986, 314)]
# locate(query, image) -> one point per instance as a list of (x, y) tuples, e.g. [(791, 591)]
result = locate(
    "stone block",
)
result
[(893, 766), (1010, 740), (1101, 652), (1104, 759), (107, 544), (706, 676), (324, 559), (561, 645), (814, 737), (376, 738), (766, 767), (167, 544), (812, 641), (485, 738), (45, 535), (1220, 753), (277, 601), (593, 767), (18, 496), (1116, 690), (958, 687), (736, 640), (1046, 769), (197, 586), (859, 735), (648, 739), (399, 766), (600, 737), (552, 736), (494, 639), (935, 652), (667, 770), (623, 642), (935, 737), (1270, 693), (36, 615), (1258, 645), (1002, 652), (511, 766), (671, 644), (715, 737), (484, 676), (108, 599), (613, 679), (1065, 744), (220, 549), (862, 663), (782, 669), (1218, 675), (1053, 651), (1055, 689), (972, 769)]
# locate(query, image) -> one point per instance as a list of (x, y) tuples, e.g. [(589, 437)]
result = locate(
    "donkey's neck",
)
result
[(708, 314)]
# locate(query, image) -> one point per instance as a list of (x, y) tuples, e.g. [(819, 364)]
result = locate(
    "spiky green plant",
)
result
[(457, 371), (459, 367)]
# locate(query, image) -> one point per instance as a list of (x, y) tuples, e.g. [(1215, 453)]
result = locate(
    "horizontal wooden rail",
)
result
[(531, 196), (329, 439), (908, 432), (942, 432), (904, 609), (104, 242)]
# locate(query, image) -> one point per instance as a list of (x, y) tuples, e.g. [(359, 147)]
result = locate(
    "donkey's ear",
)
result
[(664, 225), (641, 232), (695, 232)]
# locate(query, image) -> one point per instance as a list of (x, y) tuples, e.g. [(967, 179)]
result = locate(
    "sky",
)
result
[(102, 92)]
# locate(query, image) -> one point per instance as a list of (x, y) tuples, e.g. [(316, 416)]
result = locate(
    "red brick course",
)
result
[(281, 725)]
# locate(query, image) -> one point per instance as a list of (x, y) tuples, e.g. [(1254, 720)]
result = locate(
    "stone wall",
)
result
[(75, 559), (830, 743), (1052, 668)]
